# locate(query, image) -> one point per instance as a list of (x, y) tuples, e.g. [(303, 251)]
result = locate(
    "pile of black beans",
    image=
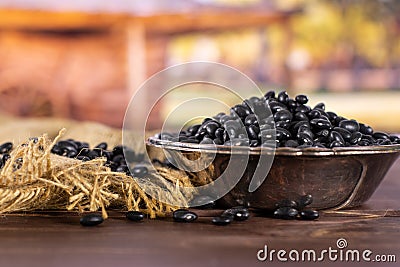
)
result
[(115, 157), (297, 125), (290, 209), (5, 149)]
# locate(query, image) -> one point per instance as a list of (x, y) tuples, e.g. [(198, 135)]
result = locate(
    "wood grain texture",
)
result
[(57, 239)]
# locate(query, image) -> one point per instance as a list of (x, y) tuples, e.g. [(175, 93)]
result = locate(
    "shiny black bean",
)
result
[(218, 141), (365, 129), (91, 220), (380, 135), (304, 139), (331, 115), (283, 115), (282, 124), (254, 143), (183, 215), (301, 99), (225, 118), (282, 134), (287, 203), (250, 120), (239, 213), (269, 94), (139, 171), (122, 168), (297, 125), (306, 130), (211, 127), (314, 114), (320, 106), (135, 216), (83, 158), (335, 136), (56, 150), (355, 138), (305, 200), (241, 111), (283, 97), (291, 104), (321, 124), (364, 142), (300, 116), (102, 145), (302, 108), (72, 153), (6, 147), (350, 125), (343, 132), (276, 106), (286, 213), (309, 215), (253, 132), (221, 221), (336, 144), (394, 138), (68, 144), (192, 130)]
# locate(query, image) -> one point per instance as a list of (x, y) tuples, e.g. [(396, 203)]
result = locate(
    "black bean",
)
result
[(207, 141), (250, 119), (364, 142), (269, 94), (254, 143), (72, 154), (314, 114), (343, 132), (211, 128), (135, 216), (6, 147), (305, 201), (365, 129), (302, 108), (4, 158), (331, 115), (139, 171), (56, 150), (336, 144), (301, 99), (335, 136), (183, 215), (286, 203), (239, 213), (253, 132), (83, 158), (350, 125), (291, 104), (240, 111), (276, 106), (282, 134), (321, 124), (355, 138), (122, 168), (286, 213), (102, 145), (304, 139), (306, 130), (91, 220), (283, 115), (309, 215), (283, 97), (282, 124), (323, 133), (67, 144), (221, 221), (380, 135), (320, 106)]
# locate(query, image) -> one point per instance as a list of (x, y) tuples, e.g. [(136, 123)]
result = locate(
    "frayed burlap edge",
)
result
[(34, 179)]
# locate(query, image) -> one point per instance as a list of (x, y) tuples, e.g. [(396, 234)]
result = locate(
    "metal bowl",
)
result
[(336, 178)]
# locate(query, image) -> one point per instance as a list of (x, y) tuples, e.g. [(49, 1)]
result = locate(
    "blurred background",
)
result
[(83, 60)]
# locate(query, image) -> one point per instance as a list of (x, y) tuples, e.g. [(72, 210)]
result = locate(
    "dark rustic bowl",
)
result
[(336, 178)]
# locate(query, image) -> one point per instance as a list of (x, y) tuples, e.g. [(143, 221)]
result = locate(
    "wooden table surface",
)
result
[(57, 239)]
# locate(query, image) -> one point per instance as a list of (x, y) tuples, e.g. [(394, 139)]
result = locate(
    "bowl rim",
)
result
[(280, 151)]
